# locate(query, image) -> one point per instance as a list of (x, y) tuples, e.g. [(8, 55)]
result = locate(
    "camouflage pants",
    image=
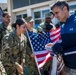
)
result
[(31, 65), (70, 71), (32, 68), (47, 67)]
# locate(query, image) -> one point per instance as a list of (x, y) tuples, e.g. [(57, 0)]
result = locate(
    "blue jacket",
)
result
[(68, 35)]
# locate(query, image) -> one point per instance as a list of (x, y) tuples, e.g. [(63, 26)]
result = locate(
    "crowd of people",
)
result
[(15, 48)]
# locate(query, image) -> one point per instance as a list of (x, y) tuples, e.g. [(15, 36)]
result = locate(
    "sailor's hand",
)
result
[(32, 55), (20, 69)]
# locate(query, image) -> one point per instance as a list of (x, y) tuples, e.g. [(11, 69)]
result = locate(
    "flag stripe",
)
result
[(41, 55), (41, 52), (48, 57), (54, 31), (39, 62), (56, 39), (54, 34)]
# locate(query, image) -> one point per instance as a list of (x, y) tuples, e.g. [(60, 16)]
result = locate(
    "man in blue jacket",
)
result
[(68, 35)]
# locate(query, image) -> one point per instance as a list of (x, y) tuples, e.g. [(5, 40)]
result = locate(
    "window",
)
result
[(37, 14), (21, 16), (39, 17), (24, 16), (18, 16), (23, 3), (37, 22), (72, 11), (44, 12), (37, 1)]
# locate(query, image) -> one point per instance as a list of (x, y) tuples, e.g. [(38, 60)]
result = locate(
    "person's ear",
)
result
[(17, 26), (64, 8)]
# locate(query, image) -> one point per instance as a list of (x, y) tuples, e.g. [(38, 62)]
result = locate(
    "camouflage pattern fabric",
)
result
[(47, 67), (29, 61), (13, 50), (3, 31), (41, 27)]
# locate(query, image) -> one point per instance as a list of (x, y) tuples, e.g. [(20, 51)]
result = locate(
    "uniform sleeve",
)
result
[(41, 28), (0, 38), (0, 34), (7, 51), (5, 47)]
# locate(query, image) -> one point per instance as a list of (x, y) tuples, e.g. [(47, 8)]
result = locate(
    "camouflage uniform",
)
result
[(47, 23), (30, 61), (13, 50), (43, 28), (46, 67), (3, 32)]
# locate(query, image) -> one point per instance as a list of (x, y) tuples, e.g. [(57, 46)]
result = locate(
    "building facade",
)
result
[(34, 8), (3, 6)]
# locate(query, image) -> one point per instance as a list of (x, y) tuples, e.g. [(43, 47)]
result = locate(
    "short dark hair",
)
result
[(60, 4), (4, 14), (18, 22)]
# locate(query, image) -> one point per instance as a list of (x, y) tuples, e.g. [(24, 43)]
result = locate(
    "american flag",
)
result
[(39, 41), (55, 35)]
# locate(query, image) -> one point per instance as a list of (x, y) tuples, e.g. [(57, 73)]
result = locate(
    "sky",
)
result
[(3, 1)]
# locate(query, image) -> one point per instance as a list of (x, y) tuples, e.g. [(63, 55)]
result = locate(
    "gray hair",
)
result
[(61, 5)]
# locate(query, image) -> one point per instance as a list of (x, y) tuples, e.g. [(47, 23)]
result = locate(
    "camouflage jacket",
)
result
[(41, 27), (13, 49), (3, 31), (45, 27), (30, 61)]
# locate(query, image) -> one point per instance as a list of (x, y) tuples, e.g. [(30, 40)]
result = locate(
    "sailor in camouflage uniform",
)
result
[(47, 24), (45, 27), (3, 27), (51, 22), (30, 61), (14, 49), (3, 31)]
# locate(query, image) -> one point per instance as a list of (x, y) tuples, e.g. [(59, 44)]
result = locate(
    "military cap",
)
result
[(48, 15), (29, 19)]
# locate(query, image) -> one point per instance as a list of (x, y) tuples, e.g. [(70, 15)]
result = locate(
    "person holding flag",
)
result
[(30, 59), (67, 48)]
